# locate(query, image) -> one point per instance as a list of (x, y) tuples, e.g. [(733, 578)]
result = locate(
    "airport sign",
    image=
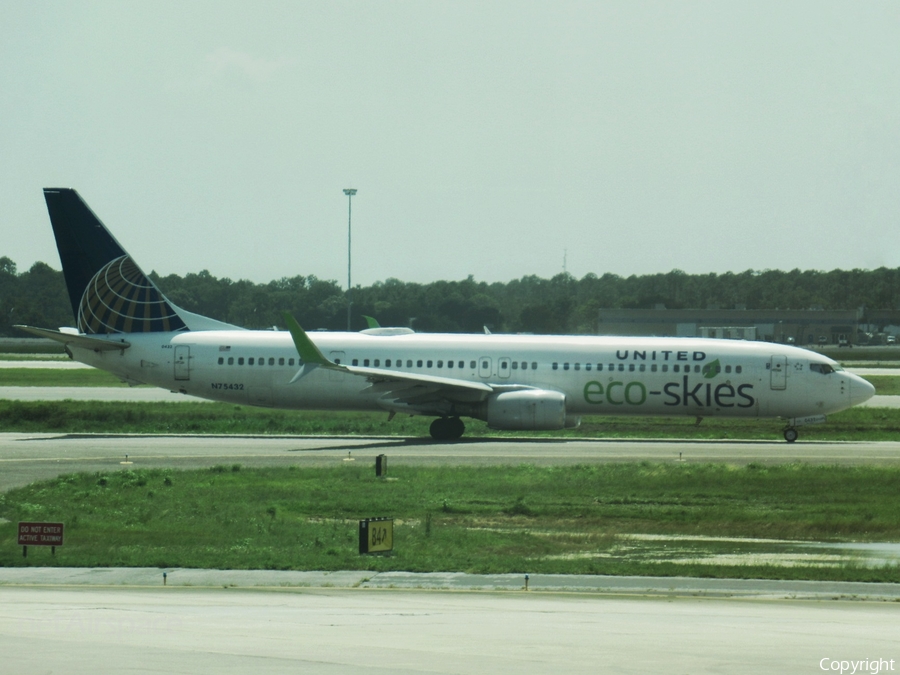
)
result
[(40, 534)]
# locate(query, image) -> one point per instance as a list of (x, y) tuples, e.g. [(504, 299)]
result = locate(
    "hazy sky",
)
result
[(486, 138)]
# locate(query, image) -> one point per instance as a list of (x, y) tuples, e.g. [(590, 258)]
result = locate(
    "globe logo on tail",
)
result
[(121, 299)]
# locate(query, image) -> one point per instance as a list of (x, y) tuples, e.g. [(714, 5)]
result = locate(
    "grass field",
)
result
[(58, 377), (885, 385), (480, 520), (857, 424)]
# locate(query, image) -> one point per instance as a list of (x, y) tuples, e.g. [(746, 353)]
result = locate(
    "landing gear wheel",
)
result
[(790, 434), (447, 428), (457, 428)]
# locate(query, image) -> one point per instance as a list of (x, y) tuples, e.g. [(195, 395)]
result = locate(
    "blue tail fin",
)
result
[(108, 291)]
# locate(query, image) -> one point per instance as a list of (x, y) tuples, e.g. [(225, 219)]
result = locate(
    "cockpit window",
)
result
[(823, 368)]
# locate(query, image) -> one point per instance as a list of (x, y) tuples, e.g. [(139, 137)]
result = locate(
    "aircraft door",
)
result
[(778, 372), (484, 366), (503, 366), (182, 362)]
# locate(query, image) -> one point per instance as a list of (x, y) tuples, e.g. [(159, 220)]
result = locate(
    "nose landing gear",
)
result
[(790, 434)]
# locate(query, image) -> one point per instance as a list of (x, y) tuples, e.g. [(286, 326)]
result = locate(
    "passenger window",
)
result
[(643, 368), (377, 362), (630, 367), (737, 369), (355, 362), (429, 363), (665, 368), (387, 363), (587, 366), (281, 361), (419, 363), (262, 361), (366, 363), (472, 365), (565, 366), (290, 362), (621, 367), (271, 360), (555, 366), (534, 365), (409, 363), (653, 368), (676, 368), (240, 360), (515, 365), (599, 367), (462, 364), (230, 360), (440, 364), (221, 360), (250, 361), (727, 369)]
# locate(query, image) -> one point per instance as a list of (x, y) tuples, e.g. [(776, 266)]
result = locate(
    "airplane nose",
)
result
[(860, 390)]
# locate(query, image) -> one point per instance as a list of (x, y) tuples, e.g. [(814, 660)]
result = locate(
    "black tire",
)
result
[(447, 428), (790, 435), (457, 428), (439, 429)]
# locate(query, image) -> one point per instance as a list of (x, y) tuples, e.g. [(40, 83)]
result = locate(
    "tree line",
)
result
[(561, 304)]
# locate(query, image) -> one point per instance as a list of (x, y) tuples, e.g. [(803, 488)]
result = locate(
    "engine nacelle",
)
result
[(527, 410)]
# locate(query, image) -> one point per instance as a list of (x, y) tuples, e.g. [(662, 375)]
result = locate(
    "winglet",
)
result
[(305, 347), (310, 355), (372, 321)]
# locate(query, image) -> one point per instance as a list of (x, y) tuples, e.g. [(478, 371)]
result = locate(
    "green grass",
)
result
[(34, 357), (856, 424), (472, 519), (29, 346), (885, 385), (58, 377)]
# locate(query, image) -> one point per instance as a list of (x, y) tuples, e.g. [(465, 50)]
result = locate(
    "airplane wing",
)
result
[(84, 341), (396, 390)]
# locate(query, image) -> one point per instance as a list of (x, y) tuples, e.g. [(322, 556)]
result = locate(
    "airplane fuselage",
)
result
[(596, 375)]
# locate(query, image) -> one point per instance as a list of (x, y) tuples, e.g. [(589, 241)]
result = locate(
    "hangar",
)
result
[(832, 327)]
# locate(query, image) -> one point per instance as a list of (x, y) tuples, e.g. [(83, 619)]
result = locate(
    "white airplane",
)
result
[(126, 326)]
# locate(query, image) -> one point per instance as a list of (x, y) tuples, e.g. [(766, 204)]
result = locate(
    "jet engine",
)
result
[(529, 410)]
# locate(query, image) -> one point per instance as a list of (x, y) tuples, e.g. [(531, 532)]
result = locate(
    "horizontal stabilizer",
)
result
[(96, 344)]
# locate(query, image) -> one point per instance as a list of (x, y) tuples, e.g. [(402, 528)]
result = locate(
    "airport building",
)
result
[(785, 326)]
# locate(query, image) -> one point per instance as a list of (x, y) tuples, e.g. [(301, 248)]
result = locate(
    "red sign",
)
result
[(40, 534)]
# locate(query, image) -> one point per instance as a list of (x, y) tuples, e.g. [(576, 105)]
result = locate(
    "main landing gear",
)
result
[(790, 434), (447, 428)]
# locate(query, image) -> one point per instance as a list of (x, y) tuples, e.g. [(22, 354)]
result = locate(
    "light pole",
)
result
[(349, 192)]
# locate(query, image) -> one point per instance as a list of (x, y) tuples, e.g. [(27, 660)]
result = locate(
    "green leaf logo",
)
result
[(710, 370)]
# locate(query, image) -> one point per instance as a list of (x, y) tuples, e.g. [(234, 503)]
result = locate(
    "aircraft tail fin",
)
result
[(108, 291)]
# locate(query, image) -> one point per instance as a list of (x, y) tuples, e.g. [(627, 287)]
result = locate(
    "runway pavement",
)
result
[(339, 632)]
